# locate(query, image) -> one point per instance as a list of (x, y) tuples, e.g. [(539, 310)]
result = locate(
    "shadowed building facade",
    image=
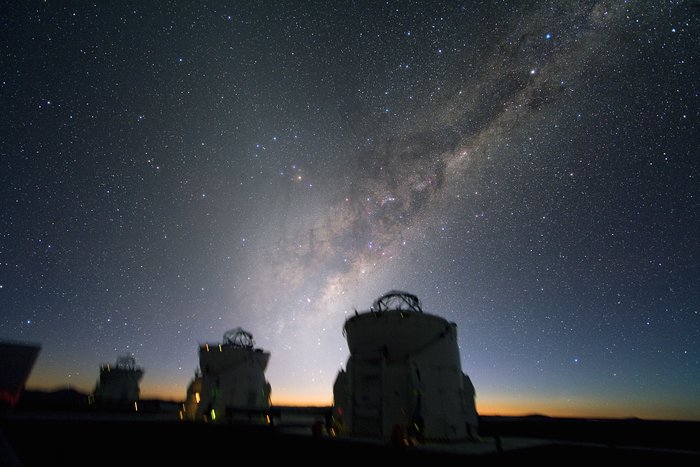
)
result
[(231, 382), (118, 386), (403, 375)]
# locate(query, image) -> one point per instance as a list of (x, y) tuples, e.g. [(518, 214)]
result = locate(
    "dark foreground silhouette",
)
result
[(127, 440)]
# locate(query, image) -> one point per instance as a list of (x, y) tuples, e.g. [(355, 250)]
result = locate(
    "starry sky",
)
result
[(173, 170)]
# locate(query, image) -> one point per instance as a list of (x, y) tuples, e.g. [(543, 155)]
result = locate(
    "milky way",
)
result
[(529, 171)]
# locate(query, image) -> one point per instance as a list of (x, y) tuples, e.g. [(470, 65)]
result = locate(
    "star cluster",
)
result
[(173, 170)]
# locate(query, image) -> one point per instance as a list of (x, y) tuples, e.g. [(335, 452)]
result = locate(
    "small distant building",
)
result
[(118, 386), (232, 384), (403, 376)]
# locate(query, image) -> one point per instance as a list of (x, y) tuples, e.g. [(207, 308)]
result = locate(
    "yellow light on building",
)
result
[(213, 415), (136, 406), (196, 397)]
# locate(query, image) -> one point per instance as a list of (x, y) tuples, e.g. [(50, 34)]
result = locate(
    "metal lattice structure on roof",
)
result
[(396, 300), (126, 362), (239, 338)]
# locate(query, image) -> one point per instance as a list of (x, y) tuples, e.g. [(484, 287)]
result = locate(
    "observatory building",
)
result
[(118, 386), (403, 375), (231, 385)]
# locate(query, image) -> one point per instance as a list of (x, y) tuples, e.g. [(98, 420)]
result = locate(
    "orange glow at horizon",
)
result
[(495, 405), (302, 401), (585, 408)]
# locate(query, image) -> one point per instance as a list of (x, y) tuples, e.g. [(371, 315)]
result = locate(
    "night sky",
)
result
[(172, 170)]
